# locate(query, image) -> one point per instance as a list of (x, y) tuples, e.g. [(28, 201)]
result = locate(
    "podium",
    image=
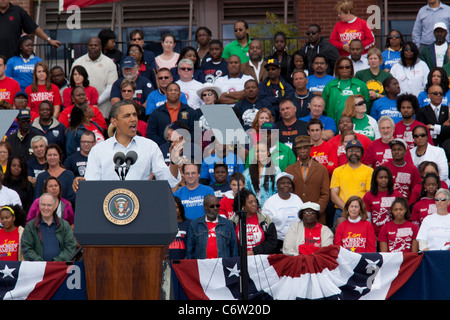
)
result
[(124, 228)]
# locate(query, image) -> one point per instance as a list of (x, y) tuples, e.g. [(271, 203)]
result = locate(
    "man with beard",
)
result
[(211, 235), (239, 46), (130, 72), (352, 178), (407, 105)]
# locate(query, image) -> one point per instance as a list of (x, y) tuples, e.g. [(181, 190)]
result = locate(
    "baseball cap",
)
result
[(24, 114), (128, 62)]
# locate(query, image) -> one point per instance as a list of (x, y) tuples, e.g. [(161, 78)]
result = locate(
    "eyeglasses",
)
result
[(344, 67), (310, 33), (437, 93), (127, 90), (212, 206), (186, 69), (163, 78), (440, 199), (419, 135), (209, 94), (358, 104), (136, 39)]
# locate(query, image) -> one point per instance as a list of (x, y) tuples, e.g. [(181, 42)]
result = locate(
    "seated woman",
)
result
[(64, 208), (261, 231), (260, 174), (283, 207), (55, 168), (355, 233), (16, 178), (13, 222), (307, 235), (80, 78), (434, 232)]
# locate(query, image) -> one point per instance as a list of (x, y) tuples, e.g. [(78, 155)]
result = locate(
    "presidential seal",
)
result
[(121, 206)]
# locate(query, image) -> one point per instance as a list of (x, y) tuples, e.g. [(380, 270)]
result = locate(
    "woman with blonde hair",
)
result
[(356, 109), (350, 27)]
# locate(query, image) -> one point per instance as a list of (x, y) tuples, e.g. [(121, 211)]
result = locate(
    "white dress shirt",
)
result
[(100, 165)]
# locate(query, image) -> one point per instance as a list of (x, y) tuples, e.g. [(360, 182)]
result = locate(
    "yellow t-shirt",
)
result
[(351, 181)]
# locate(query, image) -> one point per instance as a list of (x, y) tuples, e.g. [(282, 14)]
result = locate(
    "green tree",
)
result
[(265, 30)]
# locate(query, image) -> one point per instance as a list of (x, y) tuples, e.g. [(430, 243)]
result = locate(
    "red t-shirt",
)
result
[(35, 98), (64, 117), (9, 245), (211, 246), (312, 240), (379, 207), (405, 132), (325, 154), (226, 207), (8, 89), (98, 134), (405, 178), (255, 234), (356, 237), (399, 237), (91, 96), (422, 208)]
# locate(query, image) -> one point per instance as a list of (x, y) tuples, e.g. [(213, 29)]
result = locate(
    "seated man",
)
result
[(48, 237), (218, 238)]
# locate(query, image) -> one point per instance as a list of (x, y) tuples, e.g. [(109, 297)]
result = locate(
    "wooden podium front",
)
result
[(123, 251), (123, 273)]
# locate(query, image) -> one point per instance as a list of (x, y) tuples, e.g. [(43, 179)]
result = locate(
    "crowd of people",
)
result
[(348, 144)]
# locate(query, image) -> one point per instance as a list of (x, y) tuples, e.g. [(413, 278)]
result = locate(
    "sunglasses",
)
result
[(127, 90), (440, 199), (209, 94), (163, 78), (212, 206), (344, 67), (394, 37), (437, 93), (358, 104), (136, 39), (311, 33), (186, 69), (419, 135)]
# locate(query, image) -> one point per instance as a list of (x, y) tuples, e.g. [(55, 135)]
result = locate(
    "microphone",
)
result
[(119, 159), (130, 159)]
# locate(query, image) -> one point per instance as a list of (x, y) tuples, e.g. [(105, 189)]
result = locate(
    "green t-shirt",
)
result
[(235, 48)]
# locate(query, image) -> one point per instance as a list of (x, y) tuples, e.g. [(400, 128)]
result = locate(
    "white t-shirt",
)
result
[(282, 212), (441, 51), (189, 88), (435, 229)]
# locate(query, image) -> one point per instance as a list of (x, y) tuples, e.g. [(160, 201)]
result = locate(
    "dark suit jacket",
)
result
[(247, 69), (427, 116)]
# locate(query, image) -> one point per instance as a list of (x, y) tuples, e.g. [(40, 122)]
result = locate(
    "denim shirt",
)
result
[(197, 239)]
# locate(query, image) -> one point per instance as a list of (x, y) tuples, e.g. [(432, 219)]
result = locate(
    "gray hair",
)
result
[(48, 194), (386, 118), (444, 191), (185, 61), (37, 139)]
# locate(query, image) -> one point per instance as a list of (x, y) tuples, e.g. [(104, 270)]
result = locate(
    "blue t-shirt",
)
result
[(21, 71), (424, 100), (207, 169), (316, 84), (157, 98), (193, 200), (385, 107), (390, 57), (328, 123)]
